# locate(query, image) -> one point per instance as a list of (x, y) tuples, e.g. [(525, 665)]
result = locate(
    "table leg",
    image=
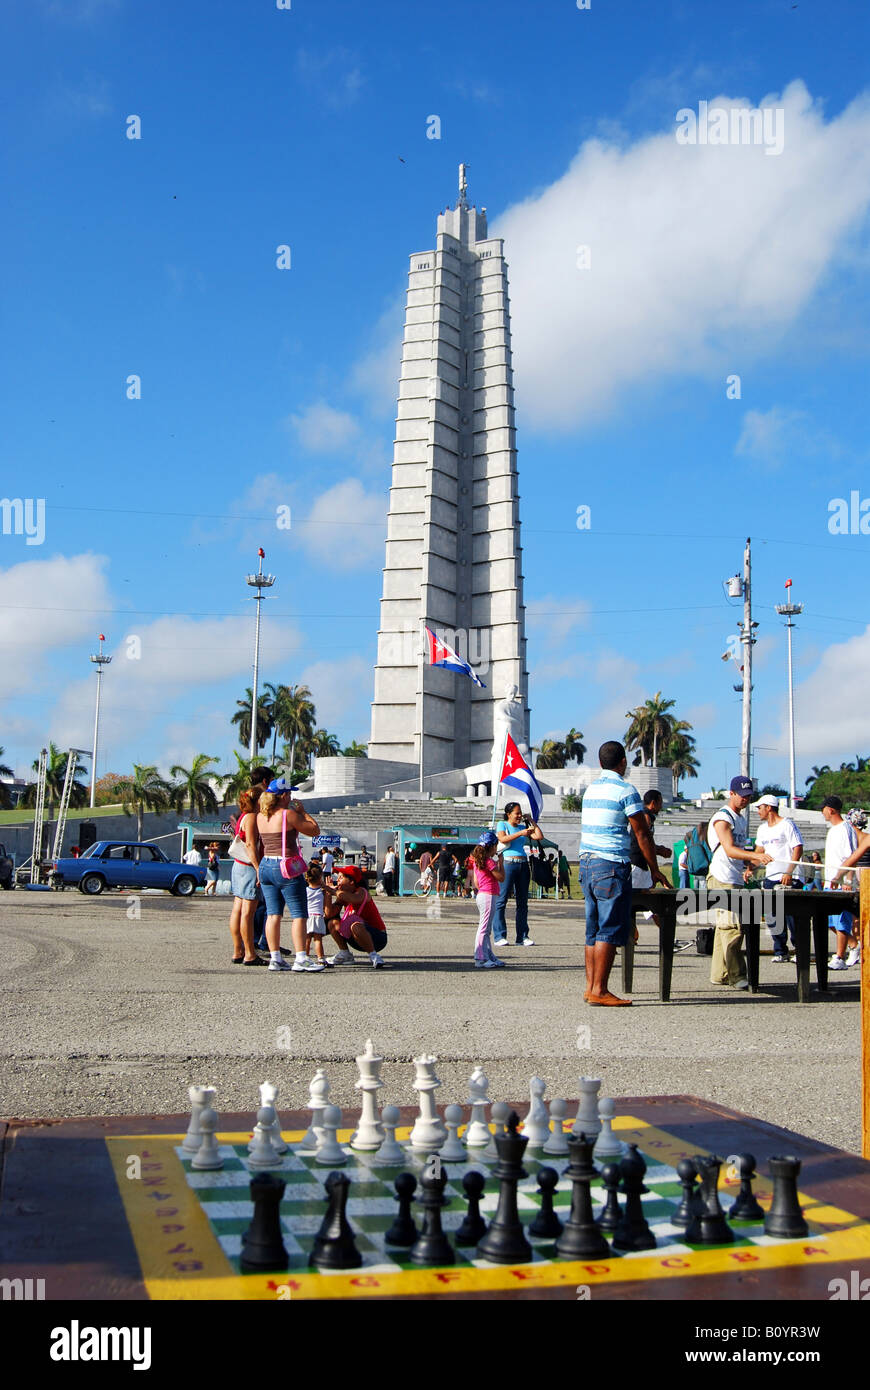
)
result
[(628, 956), (802, 956), (752, 939), (668, 915), (820, 945)]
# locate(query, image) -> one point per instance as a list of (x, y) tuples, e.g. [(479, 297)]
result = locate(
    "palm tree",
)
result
[(355, 750), (574, 749), (324, 745), (277, 702), (55, 772), (145, 791), (5, 798), (238, 781), (650, 725), (242, 717), (550, 754), (295, 718), (817, 772), (193, 786), (680, 756)]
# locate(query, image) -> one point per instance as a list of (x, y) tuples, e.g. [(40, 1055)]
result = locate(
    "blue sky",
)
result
[(260, 387)]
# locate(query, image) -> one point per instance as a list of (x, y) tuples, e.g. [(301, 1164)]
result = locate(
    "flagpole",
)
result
[(420, 677), (498, 781)]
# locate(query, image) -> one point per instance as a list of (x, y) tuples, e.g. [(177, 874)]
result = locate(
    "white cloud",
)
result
[(778, 436), (552, 618), (48, 605), (375, 374), (322, 430), (345, 526), (700, 256), (334, 76), (342, 691), (830, 718)]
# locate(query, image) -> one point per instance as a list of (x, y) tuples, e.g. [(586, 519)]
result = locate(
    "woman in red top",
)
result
[(358, 924)]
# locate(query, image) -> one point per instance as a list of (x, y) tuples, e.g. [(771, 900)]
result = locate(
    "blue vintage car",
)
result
[(126, 864)]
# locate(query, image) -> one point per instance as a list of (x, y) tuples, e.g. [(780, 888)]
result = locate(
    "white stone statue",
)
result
[(508, 717)]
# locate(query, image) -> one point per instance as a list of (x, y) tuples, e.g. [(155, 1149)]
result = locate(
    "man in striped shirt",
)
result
[(611, 809)]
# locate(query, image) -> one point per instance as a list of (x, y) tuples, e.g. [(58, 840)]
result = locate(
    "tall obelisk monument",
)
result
[(453, 554)]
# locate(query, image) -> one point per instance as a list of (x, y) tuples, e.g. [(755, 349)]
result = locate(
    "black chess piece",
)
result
[(711, 1227), (334, 1245), (432, 1246), (633, 1232), (785, 1218), (263, 1243), (746, 1206), (687, 1172), (473, 1226), (546, 1224), (403, 1231), (611, 1213), (581, 1238), (505, 1242)]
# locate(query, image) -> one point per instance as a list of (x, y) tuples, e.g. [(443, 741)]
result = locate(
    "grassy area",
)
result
[(23, 816)]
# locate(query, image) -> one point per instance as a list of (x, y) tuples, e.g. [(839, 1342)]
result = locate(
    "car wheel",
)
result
[(185, 886), (92, 884)]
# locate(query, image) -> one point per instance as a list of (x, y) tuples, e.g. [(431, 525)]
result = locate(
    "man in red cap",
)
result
[(353, 919)]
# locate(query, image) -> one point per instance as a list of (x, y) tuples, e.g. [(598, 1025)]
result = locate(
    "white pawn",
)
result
[(329, 1151), (453, 1150), (201, 1098), (607, 1145), (261, 1152), (207, 1157), (391, 1151), (557, 1143), (269, 1098), (587, 1121), (499, 1110), (536, 1126), (318, 1099)]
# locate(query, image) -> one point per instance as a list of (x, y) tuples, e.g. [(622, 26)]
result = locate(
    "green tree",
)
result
[(324, 745), (5, 798), (237, 781), (355, 750), (851, 786), (679, 755), (296, 718), (574, 749), (572, 802), (192, 788), (550, 754), (145, 791), (55, 772), (650, 725), (242, 717)]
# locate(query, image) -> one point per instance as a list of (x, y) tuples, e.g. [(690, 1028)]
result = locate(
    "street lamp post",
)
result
[(788, 611), (100, 660), (258, 581)]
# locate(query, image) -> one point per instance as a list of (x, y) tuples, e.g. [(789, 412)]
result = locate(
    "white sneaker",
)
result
[(376, 961), (780, 960), (308, 965), (527, 941), (837, 963), (854, 956), (279, 965), (342, 958), (499, 945)]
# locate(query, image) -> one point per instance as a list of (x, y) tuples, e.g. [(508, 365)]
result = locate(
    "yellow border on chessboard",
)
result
[(181, 1257)]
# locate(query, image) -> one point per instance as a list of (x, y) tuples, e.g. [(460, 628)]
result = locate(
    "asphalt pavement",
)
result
[(105, 1013)]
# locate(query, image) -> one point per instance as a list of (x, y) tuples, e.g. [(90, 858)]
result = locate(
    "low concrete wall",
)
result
[(338, 776)]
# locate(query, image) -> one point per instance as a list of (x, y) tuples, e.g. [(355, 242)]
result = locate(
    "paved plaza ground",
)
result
[(108, 1016)]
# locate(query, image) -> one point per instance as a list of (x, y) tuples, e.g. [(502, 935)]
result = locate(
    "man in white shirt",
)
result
[(779, 837), (193, 857), (840, 842), (327, 861), (726, 836)]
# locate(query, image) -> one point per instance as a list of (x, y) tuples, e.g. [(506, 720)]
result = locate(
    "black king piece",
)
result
[(505, 1242)]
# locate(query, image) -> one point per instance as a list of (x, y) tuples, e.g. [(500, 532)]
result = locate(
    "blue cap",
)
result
[(279, 784), (488, 839), (742, 786)]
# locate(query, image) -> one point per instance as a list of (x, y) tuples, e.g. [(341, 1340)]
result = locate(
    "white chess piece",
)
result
[(391, 1151), (370, 1133), (201, 1098), (453, 1150), (207, 1157), (329, 1152), (558, 1142), (477, 1134), (261, 1150), (428, 1132), (607, 1145), (536, 1126), (587, 1121), (499, 1110), (269, 1098), (318, 1099)]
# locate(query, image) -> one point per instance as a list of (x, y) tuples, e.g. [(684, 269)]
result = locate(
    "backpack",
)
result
[(698, 855)]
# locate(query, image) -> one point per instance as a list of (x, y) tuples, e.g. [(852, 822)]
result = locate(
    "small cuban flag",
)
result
[(442, 655), (517, 774)]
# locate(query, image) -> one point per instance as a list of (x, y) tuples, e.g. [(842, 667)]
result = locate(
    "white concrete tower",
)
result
[(453, 554)]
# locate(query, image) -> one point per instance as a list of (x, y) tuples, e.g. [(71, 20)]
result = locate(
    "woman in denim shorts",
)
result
[(278, 891), (243, 881)]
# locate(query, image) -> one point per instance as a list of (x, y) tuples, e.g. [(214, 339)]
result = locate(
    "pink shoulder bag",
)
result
[(295, 865)]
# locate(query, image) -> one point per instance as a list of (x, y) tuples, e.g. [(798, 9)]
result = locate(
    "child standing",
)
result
[(316, 922), (488, 874)]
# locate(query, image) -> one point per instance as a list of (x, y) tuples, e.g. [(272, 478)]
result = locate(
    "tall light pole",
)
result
[(258, 581), (788, 611), (100, 660)]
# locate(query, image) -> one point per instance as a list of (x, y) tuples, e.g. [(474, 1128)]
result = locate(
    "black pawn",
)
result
[(785, 1217), (263, 1243), (432, 1246), (633, 1232), (473, 1226), (546, 1223), (334, 1245), (505, 1242), (746, 1205), (711, 1227), (691, 1204), (403, 1231), (581, 1238), (611, 1213)]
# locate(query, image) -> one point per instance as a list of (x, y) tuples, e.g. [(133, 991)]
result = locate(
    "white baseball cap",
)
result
[(768, 800)]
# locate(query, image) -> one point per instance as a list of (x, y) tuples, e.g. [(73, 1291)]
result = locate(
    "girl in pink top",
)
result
[(488, 874)]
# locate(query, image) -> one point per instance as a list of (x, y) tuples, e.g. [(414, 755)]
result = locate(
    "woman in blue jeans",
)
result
[(513, 833), (278, 891)]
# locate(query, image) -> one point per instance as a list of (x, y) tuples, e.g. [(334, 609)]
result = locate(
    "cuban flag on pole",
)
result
[(517, 774), (442, 655)]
